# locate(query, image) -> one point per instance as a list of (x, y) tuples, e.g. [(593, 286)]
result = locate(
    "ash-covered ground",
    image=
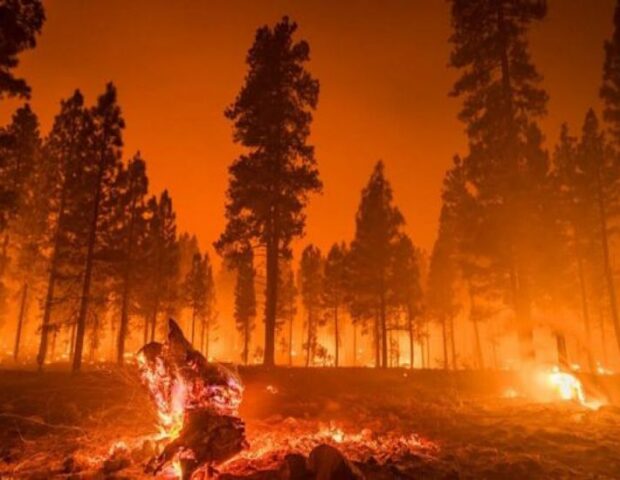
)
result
[(387, 424)]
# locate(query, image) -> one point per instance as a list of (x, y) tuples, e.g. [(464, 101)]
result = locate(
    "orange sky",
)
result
[(384, 82)]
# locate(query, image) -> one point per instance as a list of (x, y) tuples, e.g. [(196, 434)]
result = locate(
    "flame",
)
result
[(567, 386), (177, 468)]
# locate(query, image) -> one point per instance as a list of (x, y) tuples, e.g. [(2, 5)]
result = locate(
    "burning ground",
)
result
[(389, 424)]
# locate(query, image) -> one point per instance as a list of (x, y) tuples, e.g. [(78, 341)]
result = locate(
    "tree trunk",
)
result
[(51, 281), (609, 276), (271, 298), (585, 313), (290, 341), (384, 339), (445, 342), (522, 307), (207, 329), (204, 348), (377, 340), (336, 337), (603, 335), (354, 343), (474, 319), (193, 325), (124, 323), (88, 271), (411, 335), (560, 341), (452, 345), (246, 340), (309, 340), (20, 320)]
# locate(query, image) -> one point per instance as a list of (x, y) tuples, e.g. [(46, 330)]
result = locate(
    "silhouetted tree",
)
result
[(270, 184), (65, 154), (378, 227), (23, 174), (311, 287), (442, 280), (131, 237), (501, 98), (610, 89), (106, 150), (334, 290), (407, 288), (159, 294), (20, 23), (195, 291), (245, 300)]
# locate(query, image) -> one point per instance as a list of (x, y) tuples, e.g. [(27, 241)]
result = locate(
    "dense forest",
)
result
[(523, 268)]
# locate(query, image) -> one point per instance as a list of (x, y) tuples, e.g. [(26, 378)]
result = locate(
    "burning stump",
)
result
[(197, 403)]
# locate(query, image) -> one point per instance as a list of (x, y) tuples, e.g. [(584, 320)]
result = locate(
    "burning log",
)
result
[(197, 403)]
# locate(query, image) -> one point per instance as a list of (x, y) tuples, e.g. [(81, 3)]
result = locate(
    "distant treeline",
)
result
[(526, 237)]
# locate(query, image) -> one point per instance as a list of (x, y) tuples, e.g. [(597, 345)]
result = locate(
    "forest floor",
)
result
[(389, 424)]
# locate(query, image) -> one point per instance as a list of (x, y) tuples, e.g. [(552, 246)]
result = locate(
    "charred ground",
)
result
[(391, 424)]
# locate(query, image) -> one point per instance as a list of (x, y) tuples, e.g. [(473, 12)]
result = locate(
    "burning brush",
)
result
[(197, 404)]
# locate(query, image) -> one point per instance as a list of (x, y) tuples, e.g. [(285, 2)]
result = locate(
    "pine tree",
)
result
[(378, 226), (22, 21), (245, 300), (334, 291), (311, 288), (23, 174), (159, 293), (130, 240), (106, 150), (270, 184), (442, 283), (65, 154), (506, 165), (209, 322), (195, 289), (610, 89), (407, 288), (600, 178)]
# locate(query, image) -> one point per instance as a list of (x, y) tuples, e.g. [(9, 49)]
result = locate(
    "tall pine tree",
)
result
[(270, 183)]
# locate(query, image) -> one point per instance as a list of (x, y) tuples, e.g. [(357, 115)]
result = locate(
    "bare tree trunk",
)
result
[(355, 344), (474, 319), (124, 323), (603, 336), (271, 296), (88, 270), (452, 344), (246, 340), (309, 340), (445, 342), (411, 333), (193, 325), (20, 320), (585, 313), (336, 337), (290, 341), (51, 281), (384, 331), (560, 341)]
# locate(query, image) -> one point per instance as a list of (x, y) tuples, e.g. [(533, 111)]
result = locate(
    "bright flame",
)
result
[(567, 386), (177, 469)]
